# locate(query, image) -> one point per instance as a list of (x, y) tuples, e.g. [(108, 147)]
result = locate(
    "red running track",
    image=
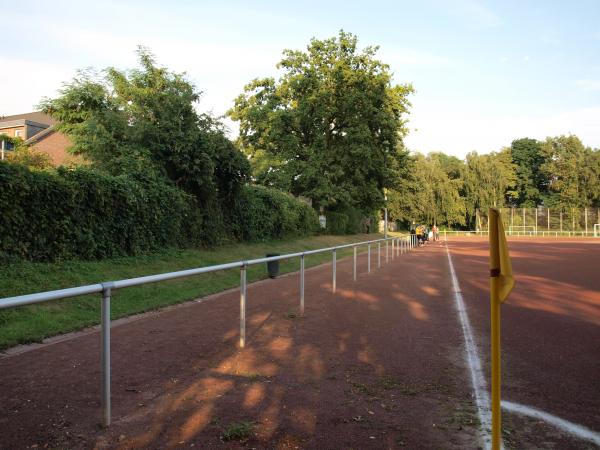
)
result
[(550, 323)]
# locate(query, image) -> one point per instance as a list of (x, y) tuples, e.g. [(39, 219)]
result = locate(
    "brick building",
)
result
[(38, 131)]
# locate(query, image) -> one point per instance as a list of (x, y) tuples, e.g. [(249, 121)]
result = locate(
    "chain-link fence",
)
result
[(545, 221)]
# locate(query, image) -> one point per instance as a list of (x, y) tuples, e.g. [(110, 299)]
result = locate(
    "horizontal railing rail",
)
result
[(399, 245)]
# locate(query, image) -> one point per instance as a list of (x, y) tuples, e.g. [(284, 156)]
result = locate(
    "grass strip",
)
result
[(33, 323)]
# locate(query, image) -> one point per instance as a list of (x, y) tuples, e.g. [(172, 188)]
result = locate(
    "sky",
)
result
[(485, 72)]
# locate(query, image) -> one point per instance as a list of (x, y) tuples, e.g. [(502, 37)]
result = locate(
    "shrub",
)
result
[(337, 223), (261, 213), (85, 214)]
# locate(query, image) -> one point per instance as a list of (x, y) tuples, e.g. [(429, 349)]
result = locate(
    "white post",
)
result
[(385, 222), (333, 271), (379, 255), (387, 256), (302, 285), (393, 248), (105, 356), (354, 266), (243, 306), (586, 226), (369, 258)]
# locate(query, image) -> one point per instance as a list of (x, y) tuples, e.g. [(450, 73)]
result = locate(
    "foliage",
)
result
[(28, 157), (238, 431), (487, 181), (260, 213), (329, 128), (572, 171), (337, 223), (428, 193), (86, 214), (527, 158), (143, 123)]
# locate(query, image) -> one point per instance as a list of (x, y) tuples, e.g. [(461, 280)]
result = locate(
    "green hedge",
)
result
[(85, 214), (350, 221), (261, 213)]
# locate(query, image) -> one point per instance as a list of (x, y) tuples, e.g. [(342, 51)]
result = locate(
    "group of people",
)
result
[(424, 233)]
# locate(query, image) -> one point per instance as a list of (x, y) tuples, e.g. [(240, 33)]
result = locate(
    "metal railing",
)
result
[(399, 245)]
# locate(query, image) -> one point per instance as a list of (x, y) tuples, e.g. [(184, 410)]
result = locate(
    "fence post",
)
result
[(369, 258), (398, 247), (379, 255), (302, 284), (393, 250), (333, 271), (243, 305), (105, 358), (387, 256), (354, 267), (586, 226)]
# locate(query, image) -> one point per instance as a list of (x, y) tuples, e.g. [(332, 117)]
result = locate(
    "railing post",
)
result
[(243, 305), (393, 250), (354, 267), (379, 255), (105, 358), (369, 258), (333, 271), (387, 256), (302, 285)]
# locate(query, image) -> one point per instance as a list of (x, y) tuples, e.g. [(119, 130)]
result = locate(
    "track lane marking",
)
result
[(480, 387), (569, 427), (482, 399)]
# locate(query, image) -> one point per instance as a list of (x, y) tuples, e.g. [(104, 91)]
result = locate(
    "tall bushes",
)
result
[(260, 213), (87, 214)]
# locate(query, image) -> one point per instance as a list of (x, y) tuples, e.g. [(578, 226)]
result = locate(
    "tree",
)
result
[(143, 122), (427, 194), (531, 183), (564, 160), (330, 128), (488, 180)]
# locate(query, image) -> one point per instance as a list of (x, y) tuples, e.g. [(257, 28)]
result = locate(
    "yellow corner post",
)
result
[(501, 283)]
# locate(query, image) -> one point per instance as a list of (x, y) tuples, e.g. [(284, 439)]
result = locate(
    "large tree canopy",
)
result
[(144, 122), (330, 128)]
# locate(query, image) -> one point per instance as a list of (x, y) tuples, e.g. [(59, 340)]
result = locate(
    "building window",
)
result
[(18, 133)]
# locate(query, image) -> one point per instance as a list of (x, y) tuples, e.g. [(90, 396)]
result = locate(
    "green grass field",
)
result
[(36, 322)]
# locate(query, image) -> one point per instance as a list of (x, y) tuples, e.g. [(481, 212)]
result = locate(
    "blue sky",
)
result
[(485, 72)]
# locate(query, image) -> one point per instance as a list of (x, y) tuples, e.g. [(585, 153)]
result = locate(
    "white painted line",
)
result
[(482, 399), (569, 427)]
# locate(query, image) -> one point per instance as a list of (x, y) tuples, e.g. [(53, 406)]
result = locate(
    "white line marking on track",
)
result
[(482, 398), (569, 427)]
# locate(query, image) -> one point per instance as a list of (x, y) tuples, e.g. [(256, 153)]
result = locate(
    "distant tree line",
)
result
[(559, 173)]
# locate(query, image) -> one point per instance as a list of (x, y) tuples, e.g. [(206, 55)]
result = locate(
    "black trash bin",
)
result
[(272, 266)]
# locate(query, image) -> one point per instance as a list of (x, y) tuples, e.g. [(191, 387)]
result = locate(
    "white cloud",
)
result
[(26, 82), (475, 13), (589, 85), (459, 131), (397, 57)]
